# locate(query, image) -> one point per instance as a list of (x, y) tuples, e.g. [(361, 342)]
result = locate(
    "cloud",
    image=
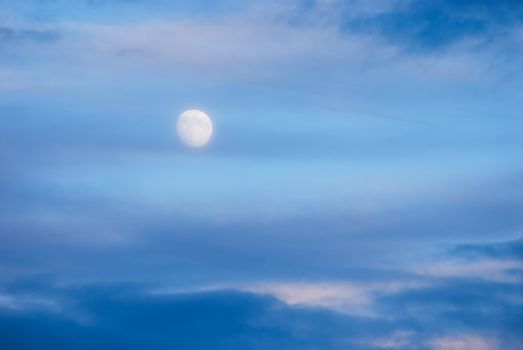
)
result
[(498, 262), (497, 250), (354, 298), (508, 271), (345, 42), (435, 25), (466, 342), (20, 303), (451, 316), (362, 296), (387, 312), (321, 235), (397, 340), (244, 47), (124, 317), (343, 297)]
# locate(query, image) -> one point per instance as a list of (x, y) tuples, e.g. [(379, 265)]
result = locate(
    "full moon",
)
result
[(194, 128)]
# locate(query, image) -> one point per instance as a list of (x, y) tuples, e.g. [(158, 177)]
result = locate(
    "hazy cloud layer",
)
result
[(363, 188), (459, 313), (274, 41)]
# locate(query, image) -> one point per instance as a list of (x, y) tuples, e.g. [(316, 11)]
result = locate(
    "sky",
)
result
[(363, 187)]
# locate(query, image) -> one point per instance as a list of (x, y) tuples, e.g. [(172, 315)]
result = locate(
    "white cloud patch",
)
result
[(464, 342), (236, 49), (358, 298), (27, 302), (347, 297), (343, 297), (487, 269), (397, 340)]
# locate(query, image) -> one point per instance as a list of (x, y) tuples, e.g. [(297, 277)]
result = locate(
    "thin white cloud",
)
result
[(487, 269), (463, 342), (358, 298), (347, 297), (233, 49), (342, 296), (261, 43), (412, 340), (27, 302), (398, 340)]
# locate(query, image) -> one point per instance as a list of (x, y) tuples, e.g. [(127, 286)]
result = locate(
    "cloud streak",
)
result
[(273, 42)]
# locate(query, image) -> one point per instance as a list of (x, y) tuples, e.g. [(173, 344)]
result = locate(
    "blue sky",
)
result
[(363, 188)]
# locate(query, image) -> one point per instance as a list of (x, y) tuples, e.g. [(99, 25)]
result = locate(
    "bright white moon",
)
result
[(194, 128)]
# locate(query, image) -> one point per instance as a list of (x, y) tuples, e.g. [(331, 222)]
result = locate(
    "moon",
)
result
[(194, 128)]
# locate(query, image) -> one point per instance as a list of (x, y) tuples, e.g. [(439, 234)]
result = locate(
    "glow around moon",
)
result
[(194, 128)]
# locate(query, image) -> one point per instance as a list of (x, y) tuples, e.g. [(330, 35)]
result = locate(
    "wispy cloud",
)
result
[(508, 271), (465, 342), (346, 297), (130, 316), (268, 43)]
